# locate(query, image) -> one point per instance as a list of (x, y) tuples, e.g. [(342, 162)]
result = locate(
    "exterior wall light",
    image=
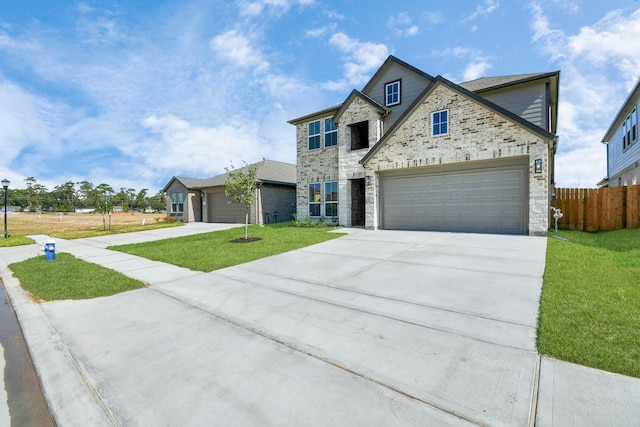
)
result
[(537, 166)]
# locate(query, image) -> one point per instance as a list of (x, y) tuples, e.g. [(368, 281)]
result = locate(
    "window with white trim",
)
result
[(440, 123), (177, 202), (331, 199), (314, 135), (315, 197), (330, 133), (630, 130), (392, 93), (180, 202)]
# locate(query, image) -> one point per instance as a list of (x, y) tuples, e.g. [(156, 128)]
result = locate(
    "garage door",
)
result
[(221, 211), (489, 199)]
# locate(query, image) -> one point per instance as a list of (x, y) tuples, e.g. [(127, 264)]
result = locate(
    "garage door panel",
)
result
[(485, 200), (221, 211)]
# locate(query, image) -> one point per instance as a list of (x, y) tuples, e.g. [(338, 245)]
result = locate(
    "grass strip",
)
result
[(68, 277), (115, 229), (590, 304), (15, 241), (212, 251)]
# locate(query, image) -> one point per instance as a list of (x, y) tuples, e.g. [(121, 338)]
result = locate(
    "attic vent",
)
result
[(359, 135)]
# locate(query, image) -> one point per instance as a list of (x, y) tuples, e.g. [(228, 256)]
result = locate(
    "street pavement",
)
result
[(375, 328)]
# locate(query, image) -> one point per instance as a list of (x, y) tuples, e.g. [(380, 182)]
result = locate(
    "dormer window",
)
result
[(392, 93)]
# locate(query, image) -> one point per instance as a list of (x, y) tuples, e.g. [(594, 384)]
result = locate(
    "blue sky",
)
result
[(131, 93)]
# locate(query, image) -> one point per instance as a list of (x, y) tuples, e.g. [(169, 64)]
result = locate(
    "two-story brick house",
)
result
[(621, 139), (417, 152)]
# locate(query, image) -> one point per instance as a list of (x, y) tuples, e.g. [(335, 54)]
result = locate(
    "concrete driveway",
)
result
[(375, 328)]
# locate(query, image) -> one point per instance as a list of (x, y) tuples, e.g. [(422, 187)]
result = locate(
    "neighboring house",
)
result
[(204, 200), (623, 150), (416, 152)]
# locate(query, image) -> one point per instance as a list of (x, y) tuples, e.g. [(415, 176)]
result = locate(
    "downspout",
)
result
[(259, 205)]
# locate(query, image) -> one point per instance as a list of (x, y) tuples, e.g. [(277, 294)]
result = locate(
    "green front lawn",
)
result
[(212, 251), (590, 306), (68, 277), (15, 241)]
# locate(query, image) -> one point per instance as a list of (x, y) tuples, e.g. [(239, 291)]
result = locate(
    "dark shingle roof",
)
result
[(269, 171), (489, 83)]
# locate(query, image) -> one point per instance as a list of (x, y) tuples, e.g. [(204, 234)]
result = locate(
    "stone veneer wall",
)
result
[(313, 166), (349, 166), (475, 133)]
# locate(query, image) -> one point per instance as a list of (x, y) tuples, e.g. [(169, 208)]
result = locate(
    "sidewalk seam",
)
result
[(533, 411)]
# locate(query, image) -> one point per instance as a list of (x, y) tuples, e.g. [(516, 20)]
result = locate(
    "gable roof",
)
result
[(357, 94), (439, 80), (327, 111), (268, 172), (391, 60), (624, 111), (484, 84)]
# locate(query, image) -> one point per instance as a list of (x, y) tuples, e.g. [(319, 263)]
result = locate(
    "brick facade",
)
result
[(476, 133), (480, 134)]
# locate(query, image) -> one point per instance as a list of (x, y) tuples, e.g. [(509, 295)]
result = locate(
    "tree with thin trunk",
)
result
[(240, 187)]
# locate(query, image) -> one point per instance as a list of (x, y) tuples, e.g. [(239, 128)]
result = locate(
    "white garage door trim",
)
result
[(487, 197)]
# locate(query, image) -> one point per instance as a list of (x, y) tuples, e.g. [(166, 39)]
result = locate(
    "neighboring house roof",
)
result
[(357, 94), (491, 83), (441, 80), (268, 171), (622, 113)]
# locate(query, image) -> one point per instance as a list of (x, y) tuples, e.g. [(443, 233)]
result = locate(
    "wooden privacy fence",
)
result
[(594, 209)]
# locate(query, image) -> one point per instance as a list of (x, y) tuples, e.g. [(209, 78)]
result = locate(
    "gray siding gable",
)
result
[(528, 102), (412, 84)]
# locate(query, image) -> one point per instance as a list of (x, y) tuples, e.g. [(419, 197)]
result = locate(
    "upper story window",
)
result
[(630, 130), (330, 133), (392, 93), (440, 123), (314, 135), (359, 135)]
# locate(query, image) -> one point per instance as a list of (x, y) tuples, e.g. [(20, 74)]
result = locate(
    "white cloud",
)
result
[(361, 58), (25, 121), (237, 49), (402, 25), (433, 18), (478, 62), (258, 7), (599, 66), (201, 150), (485, 9), (475, 70), (321, 31)]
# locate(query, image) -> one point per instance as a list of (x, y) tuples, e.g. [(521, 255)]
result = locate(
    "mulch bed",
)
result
[(247, 240)]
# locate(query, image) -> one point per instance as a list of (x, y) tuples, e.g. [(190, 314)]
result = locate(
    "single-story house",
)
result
[(621, 139), (204, 200), (415, 152)]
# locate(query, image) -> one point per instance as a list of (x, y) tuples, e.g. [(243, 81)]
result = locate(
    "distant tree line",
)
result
[(73, 195)]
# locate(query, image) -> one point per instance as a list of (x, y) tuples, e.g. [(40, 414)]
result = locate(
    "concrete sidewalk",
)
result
[(374, 328)]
